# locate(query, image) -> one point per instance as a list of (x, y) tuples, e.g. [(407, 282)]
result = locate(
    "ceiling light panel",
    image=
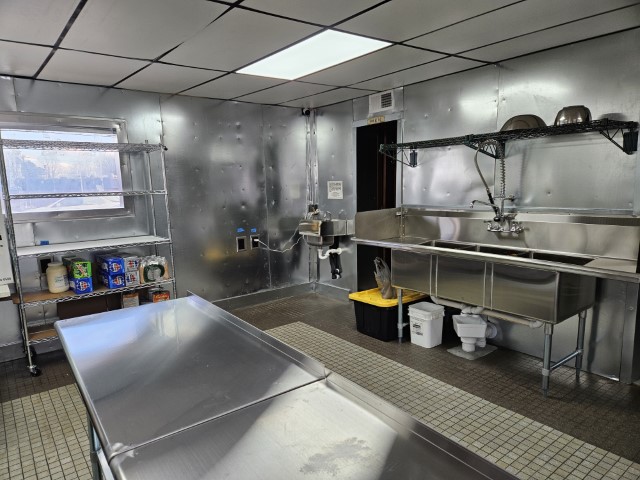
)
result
[(553, 37), (325, 12), (138, 28), (20, 59), (329, 98), (232, 86), (401, 20), (34, 21), (373, 65), (418, 74), (168, 78), (285, 92), (514, 20), (321, 51), (88, 68), (237, 39)]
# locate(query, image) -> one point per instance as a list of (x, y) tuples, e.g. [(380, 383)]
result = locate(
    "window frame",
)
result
[(36, 122)]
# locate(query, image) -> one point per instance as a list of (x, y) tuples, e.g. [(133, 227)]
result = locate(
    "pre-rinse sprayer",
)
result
[(502, 222)]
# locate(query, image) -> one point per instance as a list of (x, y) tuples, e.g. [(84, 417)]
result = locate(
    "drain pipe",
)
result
[(471, 310)]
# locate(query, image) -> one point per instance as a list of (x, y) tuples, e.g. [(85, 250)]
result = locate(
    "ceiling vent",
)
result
[(381, 102)]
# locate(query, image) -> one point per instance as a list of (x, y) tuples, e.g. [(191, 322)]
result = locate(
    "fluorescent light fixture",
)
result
[(321, 51)]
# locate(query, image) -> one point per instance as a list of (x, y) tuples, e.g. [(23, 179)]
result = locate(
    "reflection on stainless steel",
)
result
[(319, 431), (182, 389), (172, 365)]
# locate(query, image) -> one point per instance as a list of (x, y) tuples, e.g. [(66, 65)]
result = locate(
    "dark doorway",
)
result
[(375, 189)]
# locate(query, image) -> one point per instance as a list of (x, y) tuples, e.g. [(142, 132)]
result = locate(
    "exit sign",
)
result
[(374, 120)]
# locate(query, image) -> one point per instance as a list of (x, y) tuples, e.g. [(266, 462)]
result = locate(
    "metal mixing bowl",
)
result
[(573, 114), (521, 122)]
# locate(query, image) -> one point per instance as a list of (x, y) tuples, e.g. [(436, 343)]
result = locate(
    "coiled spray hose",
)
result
[(503, 172)]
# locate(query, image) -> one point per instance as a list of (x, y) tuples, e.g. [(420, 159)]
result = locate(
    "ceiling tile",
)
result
[(34, 21), (553, 37), (21, 59), (237, 39), (168, 78), (232, 86), (326, 12), (138, 28), (418, 74), (373, 65), (400, 20), (514, 20), (328, 98), (285, 92), (89, 69)]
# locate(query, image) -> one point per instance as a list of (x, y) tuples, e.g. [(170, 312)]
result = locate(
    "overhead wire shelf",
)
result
[(81, 146), (131, 193), (608, 128)]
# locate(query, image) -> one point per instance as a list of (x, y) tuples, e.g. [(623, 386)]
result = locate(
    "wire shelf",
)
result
[(92, 245), (69, 296), (87, 194), (82, 146), (606, 127)]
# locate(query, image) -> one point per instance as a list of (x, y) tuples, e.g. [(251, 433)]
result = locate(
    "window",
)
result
[(33, 171)]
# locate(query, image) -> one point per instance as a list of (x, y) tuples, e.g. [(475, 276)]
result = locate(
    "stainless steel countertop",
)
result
[(602, 267), (151, 371), (315, 432), (183, 389)]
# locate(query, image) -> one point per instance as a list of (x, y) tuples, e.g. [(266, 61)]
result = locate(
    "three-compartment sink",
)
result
[(541, 293)]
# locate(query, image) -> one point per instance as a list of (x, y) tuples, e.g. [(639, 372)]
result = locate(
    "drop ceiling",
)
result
[(194, 47)]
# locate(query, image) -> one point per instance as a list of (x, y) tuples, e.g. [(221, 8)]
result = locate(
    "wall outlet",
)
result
[(255, 241), (241, 244)]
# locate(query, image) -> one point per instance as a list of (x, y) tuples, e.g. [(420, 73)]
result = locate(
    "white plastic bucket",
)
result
[(425, 324)]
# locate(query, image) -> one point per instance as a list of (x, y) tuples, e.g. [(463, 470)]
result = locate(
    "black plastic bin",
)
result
[(378, 317)]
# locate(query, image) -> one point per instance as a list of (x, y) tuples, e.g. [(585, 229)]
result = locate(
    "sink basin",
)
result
[(554, 257), (509, 252), (452, 245)]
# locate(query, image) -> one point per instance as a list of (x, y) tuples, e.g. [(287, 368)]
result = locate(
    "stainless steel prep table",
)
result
[(183, 389)]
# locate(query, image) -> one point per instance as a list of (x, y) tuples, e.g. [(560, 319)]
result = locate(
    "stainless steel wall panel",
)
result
[(336, 161), (580, 171), (285, 144), (446, 107), (7, 95), (216, 181)]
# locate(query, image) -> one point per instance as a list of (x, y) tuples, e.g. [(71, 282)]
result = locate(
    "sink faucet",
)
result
[(502, 222)]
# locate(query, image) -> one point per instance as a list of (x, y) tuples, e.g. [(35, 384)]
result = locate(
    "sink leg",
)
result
[(400, 319), (546, 359), (582, 320), (93, 449)]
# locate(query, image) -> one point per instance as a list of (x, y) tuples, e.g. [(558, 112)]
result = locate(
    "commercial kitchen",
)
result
[(287, 239)]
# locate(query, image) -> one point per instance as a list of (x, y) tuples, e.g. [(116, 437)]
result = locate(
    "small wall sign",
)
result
[(334, 190), (374, 120)]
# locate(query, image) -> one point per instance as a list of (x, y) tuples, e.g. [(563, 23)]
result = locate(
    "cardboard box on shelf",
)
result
[(81, 285), (77, 267), (158, 295), (130, 300), (111, 264), (131, 262), (131, 279), (112, 281)]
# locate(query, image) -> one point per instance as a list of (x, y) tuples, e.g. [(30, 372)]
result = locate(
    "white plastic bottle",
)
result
[(57, 280)]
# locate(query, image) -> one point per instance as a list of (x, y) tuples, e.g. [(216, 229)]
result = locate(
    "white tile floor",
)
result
[(526, 448)]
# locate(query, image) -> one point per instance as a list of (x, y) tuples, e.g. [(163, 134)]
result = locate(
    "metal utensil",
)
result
[(573, 114), (521, 122)]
